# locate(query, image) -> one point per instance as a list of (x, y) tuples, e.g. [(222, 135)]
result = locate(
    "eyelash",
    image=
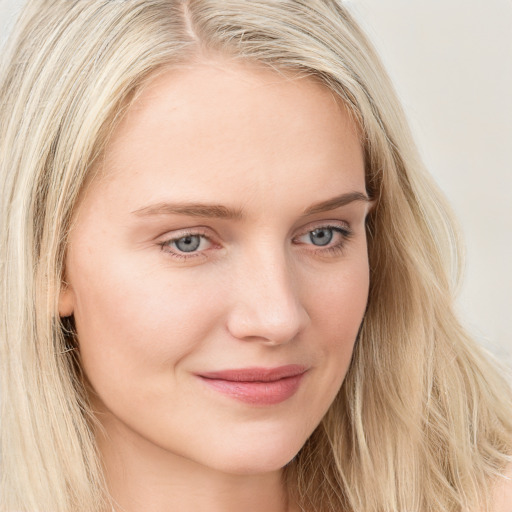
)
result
[(331, 250), (182, 255), (337, 248)]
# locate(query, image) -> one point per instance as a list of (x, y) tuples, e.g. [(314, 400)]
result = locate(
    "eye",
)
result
[(321, 236), (187, 245), (325, 238)]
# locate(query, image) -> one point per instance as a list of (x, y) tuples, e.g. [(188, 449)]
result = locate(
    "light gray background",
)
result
[(451, 61)]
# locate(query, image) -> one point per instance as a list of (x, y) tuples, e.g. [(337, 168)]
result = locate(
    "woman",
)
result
[(225, 275)]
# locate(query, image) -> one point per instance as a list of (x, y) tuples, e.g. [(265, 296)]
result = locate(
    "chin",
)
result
[(256, 457), (253, 466)]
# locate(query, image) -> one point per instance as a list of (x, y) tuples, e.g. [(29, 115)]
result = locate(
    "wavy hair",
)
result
[(423, 419)]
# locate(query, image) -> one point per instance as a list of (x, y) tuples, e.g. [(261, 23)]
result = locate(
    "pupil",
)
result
[(321, 236), (188, 243)]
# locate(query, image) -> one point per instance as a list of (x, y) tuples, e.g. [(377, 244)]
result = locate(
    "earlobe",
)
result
[(66, 301)]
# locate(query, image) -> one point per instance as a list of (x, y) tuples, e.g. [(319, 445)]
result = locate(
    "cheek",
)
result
[(337, 304), (142, 325), (337, 299)]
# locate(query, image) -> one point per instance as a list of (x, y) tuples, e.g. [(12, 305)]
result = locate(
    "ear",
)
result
[(66, 300)]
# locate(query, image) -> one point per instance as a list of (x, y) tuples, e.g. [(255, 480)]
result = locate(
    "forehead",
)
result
[(244, 126)]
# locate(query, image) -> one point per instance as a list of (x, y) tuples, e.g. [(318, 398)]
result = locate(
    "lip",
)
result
[(257, 385)]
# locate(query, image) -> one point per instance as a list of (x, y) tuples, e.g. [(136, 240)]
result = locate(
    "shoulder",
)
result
[(503, 493)]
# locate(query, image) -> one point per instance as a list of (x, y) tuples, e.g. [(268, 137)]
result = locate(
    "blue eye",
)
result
[(189, 243), (327, 239), (321, 236), (192, 244)]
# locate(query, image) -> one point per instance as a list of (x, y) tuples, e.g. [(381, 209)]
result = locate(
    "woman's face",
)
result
[(217, 268)]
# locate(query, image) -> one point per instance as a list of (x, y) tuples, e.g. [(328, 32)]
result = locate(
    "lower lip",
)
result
[(257, 393)]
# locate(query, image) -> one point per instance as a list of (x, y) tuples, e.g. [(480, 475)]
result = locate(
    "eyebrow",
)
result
[(223, 212), (192, 210), (337, 202)]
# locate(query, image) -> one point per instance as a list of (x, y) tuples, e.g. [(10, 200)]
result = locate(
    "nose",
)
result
[(266, 306)]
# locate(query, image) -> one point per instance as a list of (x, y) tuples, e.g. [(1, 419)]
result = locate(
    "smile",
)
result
[(257, 386)]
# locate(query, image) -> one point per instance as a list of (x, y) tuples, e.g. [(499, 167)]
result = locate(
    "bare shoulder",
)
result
[(503, 494)]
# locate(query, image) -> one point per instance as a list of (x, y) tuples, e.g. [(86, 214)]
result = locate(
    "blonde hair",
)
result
[(422, 421)]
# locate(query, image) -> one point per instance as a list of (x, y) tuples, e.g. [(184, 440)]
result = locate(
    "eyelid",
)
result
[(340, 226), (176, 234)]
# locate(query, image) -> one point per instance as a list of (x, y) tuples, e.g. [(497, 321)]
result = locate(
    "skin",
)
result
[(258, 291), (503, 493)]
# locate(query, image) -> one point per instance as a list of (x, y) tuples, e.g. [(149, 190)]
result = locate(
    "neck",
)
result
[(142, 476)]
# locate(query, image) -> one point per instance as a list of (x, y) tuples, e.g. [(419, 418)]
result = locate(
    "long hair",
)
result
[(422, 421)]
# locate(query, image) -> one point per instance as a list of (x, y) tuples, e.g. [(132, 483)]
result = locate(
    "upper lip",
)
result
[(257, 374)]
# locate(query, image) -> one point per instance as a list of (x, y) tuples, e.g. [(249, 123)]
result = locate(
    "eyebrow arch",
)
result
[(223, 212), (337, 202)]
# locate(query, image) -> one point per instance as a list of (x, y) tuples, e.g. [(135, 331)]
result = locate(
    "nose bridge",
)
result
[(266, 303)]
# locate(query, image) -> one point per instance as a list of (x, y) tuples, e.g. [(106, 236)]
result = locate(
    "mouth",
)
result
[(257, 386)]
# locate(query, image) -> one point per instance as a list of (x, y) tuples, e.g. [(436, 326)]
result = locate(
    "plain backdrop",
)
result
[(451, 62)]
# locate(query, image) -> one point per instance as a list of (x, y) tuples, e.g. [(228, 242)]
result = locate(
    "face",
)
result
[(217, 267)]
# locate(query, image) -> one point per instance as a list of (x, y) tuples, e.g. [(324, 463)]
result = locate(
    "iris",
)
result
[(188, 243), (321, 236)]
